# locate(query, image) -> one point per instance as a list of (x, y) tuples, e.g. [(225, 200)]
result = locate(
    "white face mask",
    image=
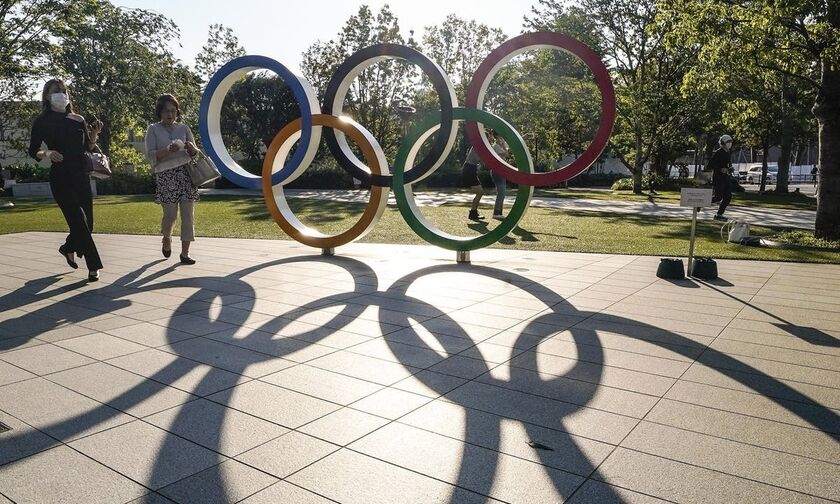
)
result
[(59, 101)]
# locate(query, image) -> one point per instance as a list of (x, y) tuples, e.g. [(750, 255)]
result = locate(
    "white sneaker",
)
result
[(498, 216)]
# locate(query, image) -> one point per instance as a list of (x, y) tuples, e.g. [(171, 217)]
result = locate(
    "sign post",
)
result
[(695, 198)]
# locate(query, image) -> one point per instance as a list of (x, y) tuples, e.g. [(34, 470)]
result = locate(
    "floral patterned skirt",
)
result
[(174, 185)]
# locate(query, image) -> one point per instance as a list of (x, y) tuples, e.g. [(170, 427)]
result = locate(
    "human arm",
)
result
[(154, 151), (35, 141), (190, 146)]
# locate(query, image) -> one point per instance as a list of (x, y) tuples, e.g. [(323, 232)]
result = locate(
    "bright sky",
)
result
[(283, 30)]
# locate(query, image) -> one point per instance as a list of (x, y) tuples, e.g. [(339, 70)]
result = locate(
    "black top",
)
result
[(67, 136), (719, 163)]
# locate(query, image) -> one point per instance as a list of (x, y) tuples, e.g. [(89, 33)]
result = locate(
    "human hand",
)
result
[(54, 156), (95, 127), (173, 147), (192, 150)]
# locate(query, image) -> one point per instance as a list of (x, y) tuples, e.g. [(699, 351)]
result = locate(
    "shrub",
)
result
[(323, 176), (26, 173), (123, 154), (623, 184), (126, 183)]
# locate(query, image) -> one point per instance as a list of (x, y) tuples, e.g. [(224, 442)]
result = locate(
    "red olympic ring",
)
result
[(488, 69)]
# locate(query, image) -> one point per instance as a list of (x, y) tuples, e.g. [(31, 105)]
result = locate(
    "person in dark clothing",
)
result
[(721, 166), (469, 179), (67, 136)]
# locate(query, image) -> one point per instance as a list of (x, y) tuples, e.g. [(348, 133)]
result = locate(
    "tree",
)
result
[(222, 46), (459, 46), (257, 108), (797, 39), (117, 62), (653, 117), (372, 93), (24, 46)]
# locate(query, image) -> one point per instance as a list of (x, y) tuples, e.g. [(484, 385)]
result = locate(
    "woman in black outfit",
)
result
[(67, 137)]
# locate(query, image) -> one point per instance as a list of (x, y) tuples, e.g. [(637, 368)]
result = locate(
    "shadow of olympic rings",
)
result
[(480, 457)]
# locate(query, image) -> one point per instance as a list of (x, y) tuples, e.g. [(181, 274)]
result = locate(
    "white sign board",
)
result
[(694, 197)]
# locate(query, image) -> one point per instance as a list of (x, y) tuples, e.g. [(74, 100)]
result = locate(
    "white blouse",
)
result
[(159, 137)]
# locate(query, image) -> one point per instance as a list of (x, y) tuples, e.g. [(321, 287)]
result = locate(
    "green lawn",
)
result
[(540, 229), (792, 200)]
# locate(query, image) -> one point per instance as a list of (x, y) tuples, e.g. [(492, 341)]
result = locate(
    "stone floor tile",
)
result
[(786, 438), (287, 454), (389, 350), (779, 410), (295, 350), (679, 482), (228, 357), (390, 403), (20, 440), (808, 358), (801, 474), (429, 383), (149, 334), (213, 426), (634, 381), (352, 478), (179, 372), (108, 324), (146, 454), (45, 359), (481, 470), (566, 452), (611, 357), (229, 481), (63, 475), (622, 402), (574, 419), (193, 324), (770, 387), (316, 382), (462, 367), (100, 346), (120, 389), (286, 492), (11, 374), (772, 369), (57, 411), (152, 498), (64, 333), (363, 367), (599, 492), (275, 404), (344, 426)]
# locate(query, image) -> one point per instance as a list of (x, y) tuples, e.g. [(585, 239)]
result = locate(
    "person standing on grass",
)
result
[(67, 137), (170, 146), (501, 149), (720, 165), (469, 179)]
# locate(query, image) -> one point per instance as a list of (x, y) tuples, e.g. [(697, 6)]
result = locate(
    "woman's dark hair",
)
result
[(163, 100), (45, 98)]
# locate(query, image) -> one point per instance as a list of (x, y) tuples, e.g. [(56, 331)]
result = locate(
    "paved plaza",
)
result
[(388, 374)]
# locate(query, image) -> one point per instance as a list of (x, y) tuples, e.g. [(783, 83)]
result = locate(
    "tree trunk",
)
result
[(827, 111), (765, 146), (637, 178), (638, 164), (783, 174), (104, 141)]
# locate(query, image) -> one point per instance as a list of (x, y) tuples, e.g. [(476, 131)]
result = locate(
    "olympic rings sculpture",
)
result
[(280, 169)]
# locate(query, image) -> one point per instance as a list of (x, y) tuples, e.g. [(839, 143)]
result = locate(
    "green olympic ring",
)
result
[(405, 195)]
